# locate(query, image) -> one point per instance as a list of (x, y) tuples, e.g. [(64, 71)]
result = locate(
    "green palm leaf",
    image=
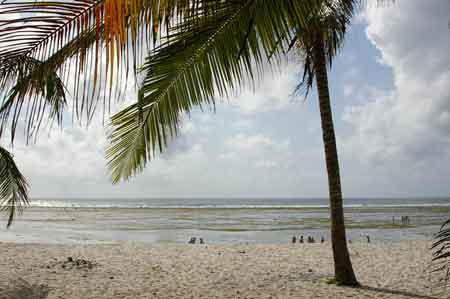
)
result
[(33, 31), (29, 83), (44, 88), (440, 264), (13, 187), (329, 24), (211, 52)]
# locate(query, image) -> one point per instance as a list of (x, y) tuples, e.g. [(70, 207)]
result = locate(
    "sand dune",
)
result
[(386, 270)]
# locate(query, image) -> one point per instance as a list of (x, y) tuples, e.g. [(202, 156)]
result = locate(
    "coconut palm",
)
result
[(205, 50), (205, 56), (318, 45)]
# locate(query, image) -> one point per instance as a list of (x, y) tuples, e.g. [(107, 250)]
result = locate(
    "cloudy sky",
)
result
[(391, 100)]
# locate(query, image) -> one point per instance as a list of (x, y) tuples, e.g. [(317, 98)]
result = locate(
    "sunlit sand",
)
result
[(386, 270)]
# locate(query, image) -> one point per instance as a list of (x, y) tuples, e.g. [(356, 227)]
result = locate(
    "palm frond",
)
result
[(440, 264), (13, 187), (328, 23), (41, 28), (43, 88), (147, 124), (33, 30), (32, 86), (207, 55)]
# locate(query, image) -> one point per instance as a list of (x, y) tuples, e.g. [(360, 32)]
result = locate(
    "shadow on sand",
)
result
[(21, 289), (396, 292)]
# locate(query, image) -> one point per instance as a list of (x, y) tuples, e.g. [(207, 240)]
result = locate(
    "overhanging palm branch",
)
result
[(440, 266), (205, 56), (38, 30), (13, 187), (44, 89), (41, 28), (30, 83)]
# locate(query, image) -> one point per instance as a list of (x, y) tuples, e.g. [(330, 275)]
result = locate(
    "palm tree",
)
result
[(198, 50), (208, 54), (318, 46)]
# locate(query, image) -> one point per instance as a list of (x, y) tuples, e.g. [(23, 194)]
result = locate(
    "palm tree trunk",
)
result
[(342, 265)]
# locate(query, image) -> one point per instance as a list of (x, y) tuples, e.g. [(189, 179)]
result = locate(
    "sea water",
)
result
[(221, 220)]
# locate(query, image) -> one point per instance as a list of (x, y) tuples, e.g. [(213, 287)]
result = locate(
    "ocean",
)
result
[(221, 220)]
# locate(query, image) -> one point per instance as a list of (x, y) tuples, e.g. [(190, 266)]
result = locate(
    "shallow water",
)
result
[(220, 221)]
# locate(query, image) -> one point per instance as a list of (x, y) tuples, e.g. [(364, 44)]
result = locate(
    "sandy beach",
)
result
[(386, 270)]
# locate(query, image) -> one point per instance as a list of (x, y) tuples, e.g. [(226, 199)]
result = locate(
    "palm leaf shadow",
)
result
[(21, 289), (405, 294)]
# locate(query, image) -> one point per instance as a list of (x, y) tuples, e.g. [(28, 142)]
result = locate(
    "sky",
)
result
[(391, 103)]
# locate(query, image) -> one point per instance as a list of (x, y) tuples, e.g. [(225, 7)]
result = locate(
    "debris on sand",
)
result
[(73, 263)]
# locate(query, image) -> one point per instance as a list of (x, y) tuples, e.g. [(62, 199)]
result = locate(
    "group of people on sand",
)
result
[(300, 239), (308, 240), (322, 239), (194, 239)]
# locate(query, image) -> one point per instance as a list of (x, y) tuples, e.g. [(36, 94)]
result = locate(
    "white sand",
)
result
[(396, 270)]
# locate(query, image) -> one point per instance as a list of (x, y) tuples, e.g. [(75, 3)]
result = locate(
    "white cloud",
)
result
[(411, 121), (244, 124), (349, 89), (268, 164), (272, 93), (68, 152), (188, 127), (230, 156), (257, 151), (244, 142), (256, 143)]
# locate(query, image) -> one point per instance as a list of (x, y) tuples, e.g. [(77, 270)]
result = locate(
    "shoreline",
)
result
[(136, 270), (216, 237), (363, 208), (221, 226)]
